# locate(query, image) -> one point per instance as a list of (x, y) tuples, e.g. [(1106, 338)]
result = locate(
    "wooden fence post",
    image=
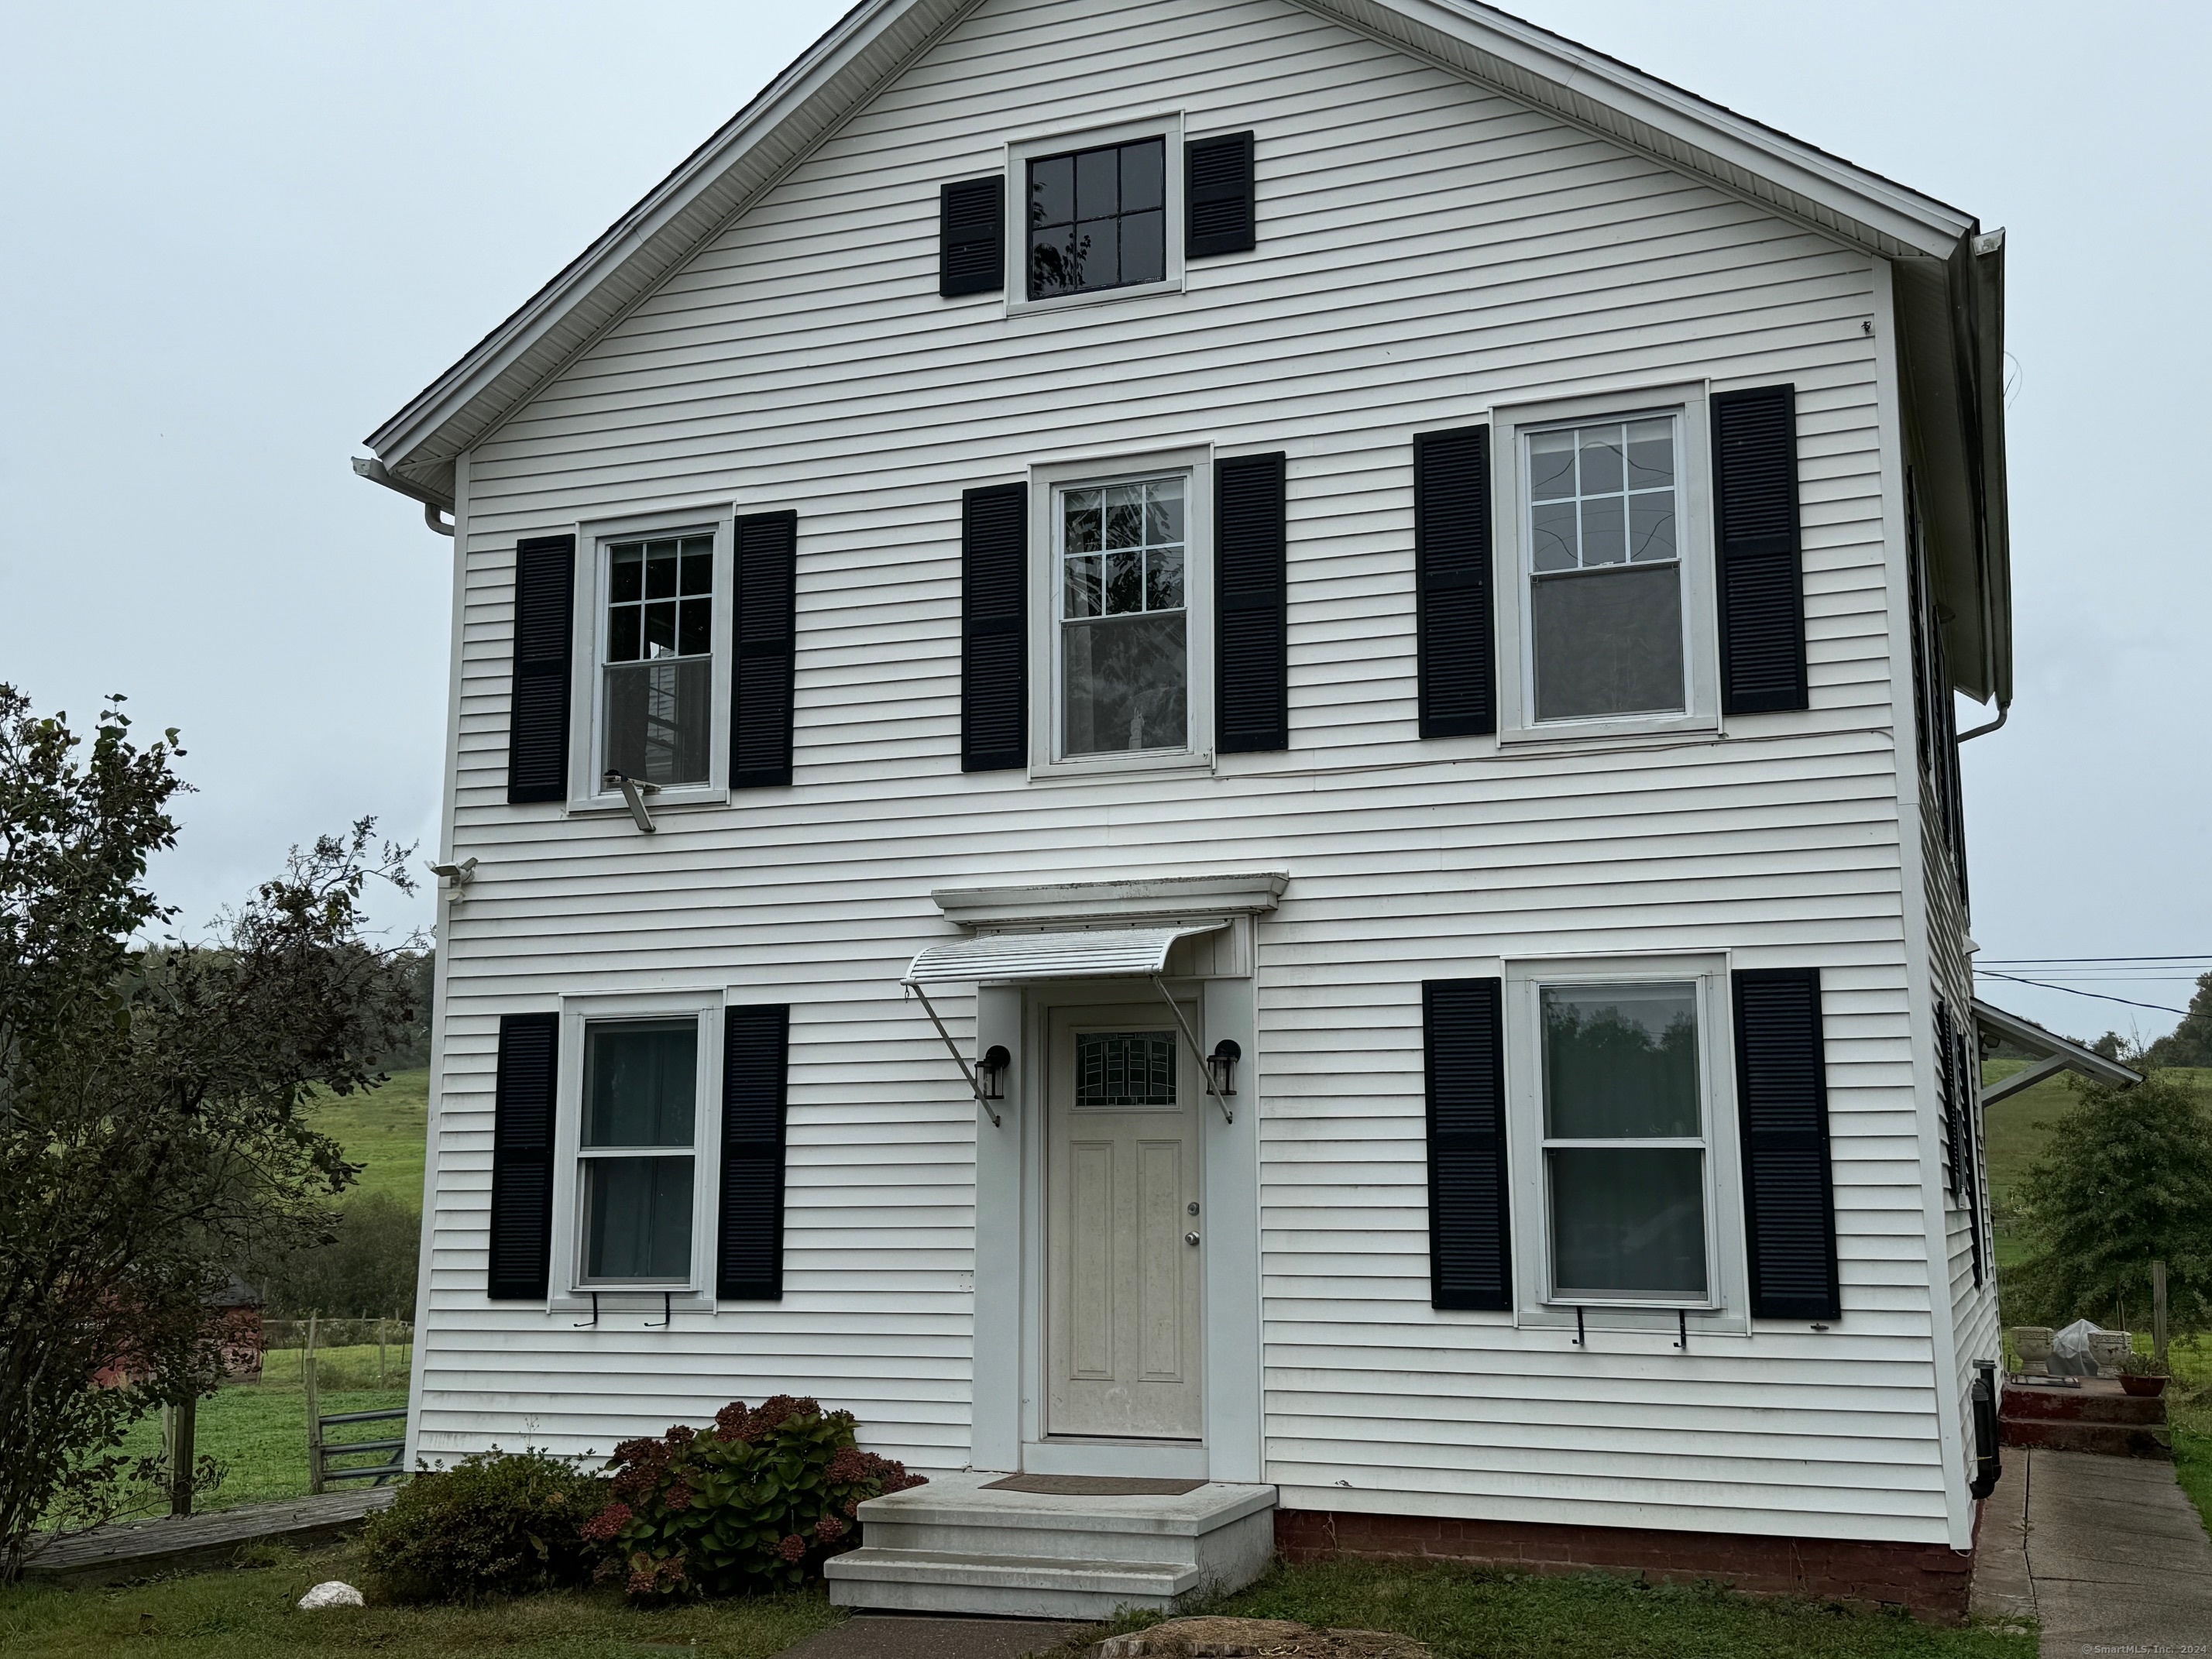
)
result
[(2158, 1311), (380, 1353), (314, 1411), (185, 1422)]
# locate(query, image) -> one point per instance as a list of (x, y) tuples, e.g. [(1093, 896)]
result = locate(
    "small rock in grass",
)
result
[(331, 1594), (1255, 1638)]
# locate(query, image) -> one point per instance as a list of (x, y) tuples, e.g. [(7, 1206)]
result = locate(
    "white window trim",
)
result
[(1724, 1310), (1167, 125), (696, 1295), (587, 740), (1046, 481), (1516, 686)]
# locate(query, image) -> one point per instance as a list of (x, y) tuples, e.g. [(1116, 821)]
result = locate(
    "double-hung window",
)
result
[(1122, 646), (1624, 1142), (1125, 638), (657, 645), (1624, 1160), (1605, 600), (638, 1153)]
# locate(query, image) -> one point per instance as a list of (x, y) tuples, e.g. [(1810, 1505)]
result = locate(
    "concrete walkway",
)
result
[(2107, 1552)]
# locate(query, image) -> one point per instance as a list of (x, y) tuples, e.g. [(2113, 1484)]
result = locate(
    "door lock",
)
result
[(1190, 1238)]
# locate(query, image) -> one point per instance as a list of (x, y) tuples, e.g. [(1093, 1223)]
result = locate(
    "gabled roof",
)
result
[(1950, 290)]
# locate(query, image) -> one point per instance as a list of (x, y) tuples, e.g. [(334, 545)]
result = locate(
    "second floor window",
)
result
[(1097, 218), (658, 665), (1125, 658), (1605, 575)]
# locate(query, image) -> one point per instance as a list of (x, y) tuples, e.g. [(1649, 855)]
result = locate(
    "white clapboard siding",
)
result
[(1429, 249)]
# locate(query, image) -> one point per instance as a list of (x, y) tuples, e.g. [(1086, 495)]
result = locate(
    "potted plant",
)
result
[(2143, 1375)]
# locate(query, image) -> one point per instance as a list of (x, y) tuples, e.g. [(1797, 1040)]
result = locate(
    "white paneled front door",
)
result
[(1124, 1235)]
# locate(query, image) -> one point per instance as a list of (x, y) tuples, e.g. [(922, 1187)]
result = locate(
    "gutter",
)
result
[(377, 473)]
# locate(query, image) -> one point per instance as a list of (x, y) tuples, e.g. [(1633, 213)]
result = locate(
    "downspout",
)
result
[(377, 473), (2003, 709)]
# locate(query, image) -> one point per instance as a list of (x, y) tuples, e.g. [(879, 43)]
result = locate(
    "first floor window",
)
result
[(657, 665), (1624, 1143), (638, 1147), (1125, 652), (1605, 573)]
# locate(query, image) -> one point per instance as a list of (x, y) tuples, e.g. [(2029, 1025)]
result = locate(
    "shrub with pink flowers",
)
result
[(756, 1503)]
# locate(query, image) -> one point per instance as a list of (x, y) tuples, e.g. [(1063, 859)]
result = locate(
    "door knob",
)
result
[(1190, 1238)]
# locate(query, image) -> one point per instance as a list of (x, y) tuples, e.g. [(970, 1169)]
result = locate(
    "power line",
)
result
[(2044, 985), (2054, 961)]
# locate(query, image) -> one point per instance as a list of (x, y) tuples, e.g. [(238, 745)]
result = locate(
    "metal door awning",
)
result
[(1069, 954), (1081, 953)]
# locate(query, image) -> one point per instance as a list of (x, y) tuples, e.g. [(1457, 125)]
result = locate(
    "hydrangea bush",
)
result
[(756, 1503)]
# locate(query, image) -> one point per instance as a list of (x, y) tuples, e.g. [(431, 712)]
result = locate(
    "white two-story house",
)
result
[(1205, 750)]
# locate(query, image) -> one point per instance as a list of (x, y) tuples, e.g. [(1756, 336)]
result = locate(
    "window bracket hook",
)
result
[(587, 1324), (1581, 1336), (1682, 1329), (667, 1312), (634, 792)]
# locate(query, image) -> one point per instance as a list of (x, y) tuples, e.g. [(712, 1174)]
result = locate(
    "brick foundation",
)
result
[(1929, 1580)]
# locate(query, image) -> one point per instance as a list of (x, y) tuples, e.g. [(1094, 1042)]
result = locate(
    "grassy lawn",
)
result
[(386, 1130), (260, 1433), (1465, 1613), (1462, 1613), (251, 1613)]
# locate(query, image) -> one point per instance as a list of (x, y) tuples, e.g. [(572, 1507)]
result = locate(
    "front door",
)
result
[(1123, 1227)]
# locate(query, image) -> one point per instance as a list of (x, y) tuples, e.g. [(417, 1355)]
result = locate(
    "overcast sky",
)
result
[(238, 236)]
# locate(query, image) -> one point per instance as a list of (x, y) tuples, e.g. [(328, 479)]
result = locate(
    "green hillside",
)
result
[(384, 1130)]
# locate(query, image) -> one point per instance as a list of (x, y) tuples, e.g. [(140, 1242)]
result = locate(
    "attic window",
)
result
[(1097, 218)]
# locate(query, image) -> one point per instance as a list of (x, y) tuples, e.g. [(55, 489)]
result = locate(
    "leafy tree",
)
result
[(152, 1136), (2189, 1043), (2125, 1180), (366, 1271)]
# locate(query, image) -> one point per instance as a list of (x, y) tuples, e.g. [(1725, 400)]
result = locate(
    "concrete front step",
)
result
[(957, 1545), (2106, 1439), (2087, 1404), (1032, 1586)]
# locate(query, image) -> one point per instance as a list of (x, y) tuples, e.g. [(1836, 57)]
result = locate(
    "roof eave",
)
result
[(420, 441)]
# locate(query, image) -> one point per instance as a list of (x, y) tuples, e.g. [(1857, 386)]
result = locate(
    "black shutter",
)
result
[(1218, 196), (537, 712), (994, 628), (1452, 582), (1782, 1092), (1946, 1094), (971, 232), (1470, 1248), (1970, 1150), (1762, 600), (749, 1254), (1251, 653), (522, 1157), (767, 620)]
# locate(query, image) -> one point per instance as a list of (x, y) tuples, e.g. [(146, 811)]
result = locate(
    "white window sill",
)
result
[(1152, 763), (1561, 733), (1021, 306), (595, 807), (628, 1299)]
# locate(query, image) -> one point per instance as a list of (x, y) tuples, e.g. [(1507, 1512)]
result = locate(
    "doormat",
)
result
[(1092, 1485)]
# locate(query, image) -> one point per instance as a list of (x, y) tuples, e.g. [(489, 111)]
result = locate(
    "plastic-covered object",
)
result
[(2071, 1354), (331, 1593)]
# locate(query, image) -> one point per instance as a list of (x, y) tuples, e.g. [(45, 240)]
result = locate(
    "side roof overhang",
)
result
[(2052, 1054), (1950, 276)]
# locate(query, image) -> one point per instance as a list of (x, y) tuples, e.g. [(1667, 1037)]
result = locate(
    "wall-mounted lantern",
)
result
[(1221, 1065), (990, 1072)]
